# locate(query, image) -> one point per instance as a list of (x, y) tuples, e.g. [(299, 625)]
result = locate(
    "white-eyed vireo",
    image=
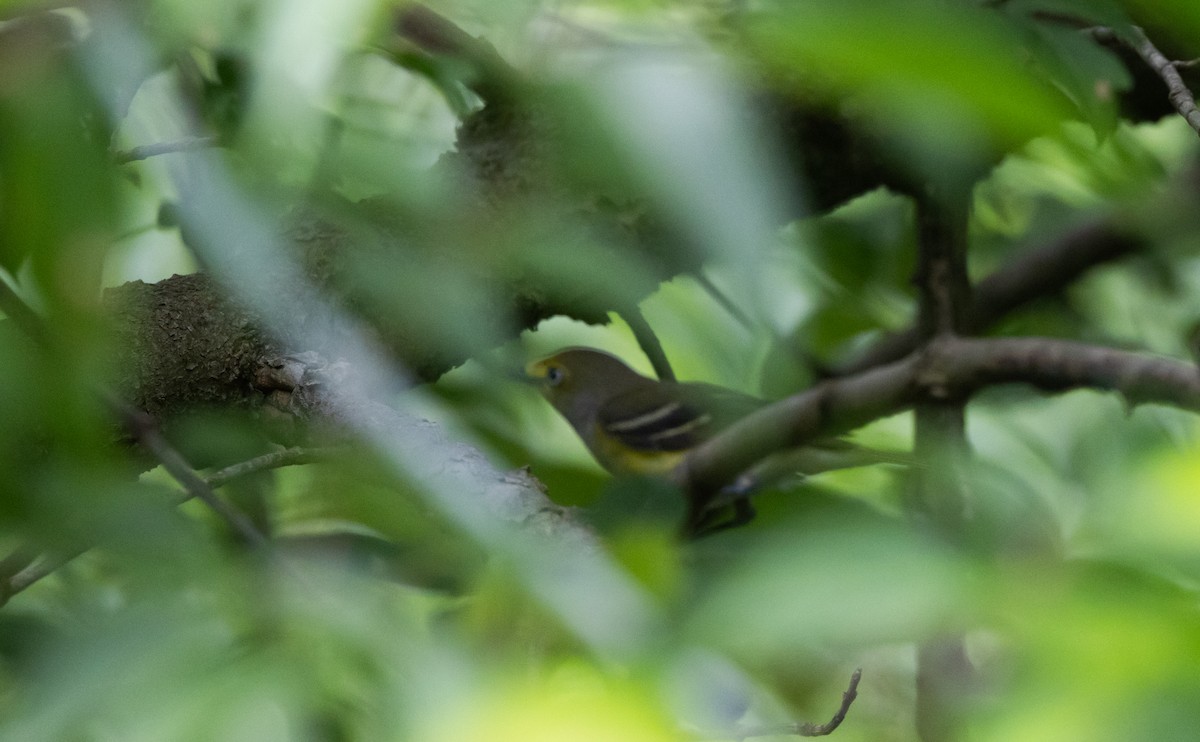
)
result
[(636, 425)]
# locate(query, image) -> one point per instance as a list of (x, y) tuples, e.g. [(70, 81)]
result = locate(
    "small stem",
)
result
[(649, 343), (147, 434), (146, 151), (22, 568), (274, 460), (802, 729)]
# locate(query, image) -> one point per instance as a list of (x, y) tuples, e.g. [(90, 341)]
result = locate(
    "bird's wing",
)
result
[(672, 417)]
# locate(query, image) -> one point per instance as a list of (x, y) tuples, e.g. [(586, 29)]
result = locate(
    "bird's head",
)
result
[(576, 380)]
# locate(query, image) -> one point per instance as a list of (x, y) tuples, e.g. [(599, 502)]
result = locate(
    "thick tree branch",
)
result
[(436, 34), (944, 292), (181, 344), (938, 495), (1038, 273), (948, 368), (1048, 270), (831, 407)]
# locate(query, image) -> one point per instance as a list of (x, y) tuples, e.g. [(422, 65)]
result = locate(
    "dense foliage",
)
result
[(268, 271)]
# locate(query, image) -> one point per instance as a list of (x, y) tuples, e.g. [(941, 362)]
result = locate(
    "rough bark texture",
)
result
[(183, 345)]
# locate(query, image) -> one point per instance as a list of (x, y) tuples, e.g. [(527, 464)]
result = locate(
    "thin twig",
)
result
[(22, 568), (848, 696), (274, 460), (648, 341), (17, 562), (19, 559), (950, 367), (147, 434), (1178, 93), (43, 567), (146, 151), (1180, 96), (723, 299), (804, 729), (436, 34)]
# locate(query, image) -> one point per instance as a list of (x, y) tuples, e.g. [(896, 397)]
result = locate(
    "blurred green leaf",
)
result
[(629, 170), (955, 61), (841, 582), (1090, 74), (58, 202)]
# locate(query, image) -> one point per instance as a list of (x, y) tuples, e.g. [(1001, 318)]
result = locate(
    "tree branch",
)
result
[(274, 460), (804, 729), (1181, 98), (35, 571), (648, 341), (23, 567), (1043, 271), (948, 368), (944, 292), (937, 493), (17, 562), (145, 430), (436, 34)]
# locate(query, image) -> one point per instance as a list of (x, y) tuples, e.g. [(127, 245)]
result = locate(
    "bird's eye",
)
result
[(555, 375)]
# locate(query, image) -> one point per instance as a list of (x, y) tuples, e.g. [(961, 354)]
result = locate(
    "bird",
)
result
[(636, 425)]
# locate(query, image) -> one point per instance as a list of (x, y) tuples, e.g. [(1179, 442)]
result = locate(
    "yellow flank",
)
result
[(621, 459)]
